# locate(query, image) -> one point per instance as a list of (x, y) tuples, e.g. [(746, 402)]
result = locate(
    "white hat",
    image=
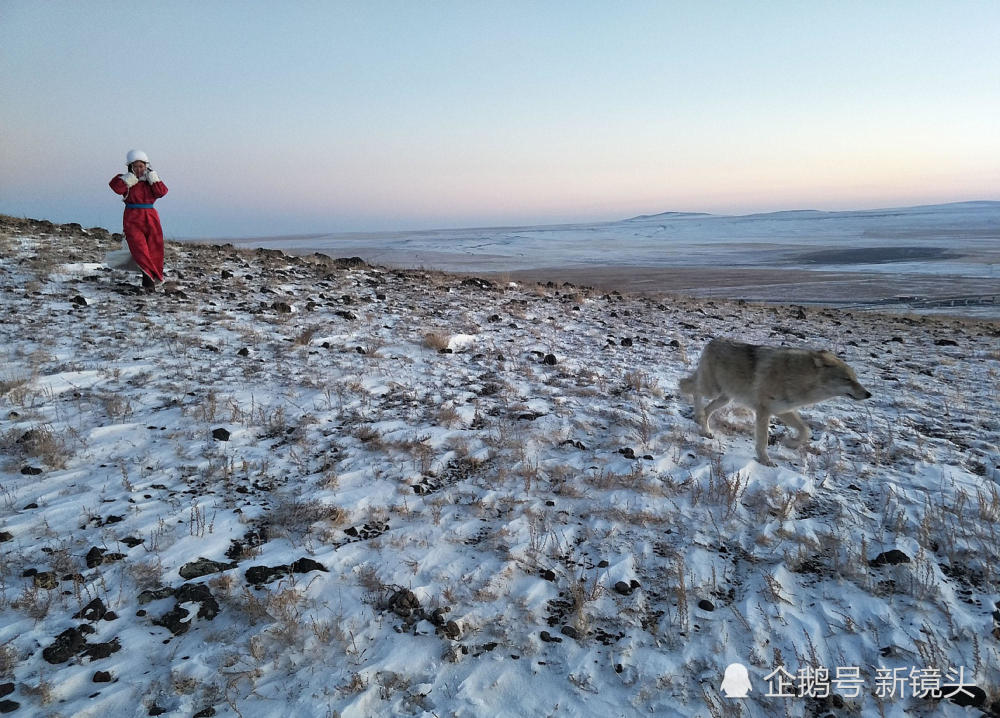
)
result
[(136, 156)]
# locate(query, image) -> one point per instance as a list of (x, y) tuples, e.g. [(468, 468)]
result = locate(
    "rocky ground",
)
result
[(308, 486)]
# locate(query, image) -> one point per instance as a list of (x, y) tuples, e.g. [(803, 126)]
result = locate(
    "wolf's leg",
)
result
[(713, 406), (760, 436), (802, 432)]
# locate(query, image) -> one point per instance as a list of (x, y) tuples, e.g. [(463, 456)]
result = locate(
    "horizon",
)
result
[(383, 117)]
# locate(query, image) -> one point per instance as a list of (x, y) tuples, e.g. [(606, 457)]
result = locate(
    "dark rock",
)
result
[(95, 557), (549, 575), (175, 620), (93, 611), (198, 593), (7, 706), (79, 301), (549, 638), (96, 651), (571, 632), (282, 307), (66, 645), (154, 595), (305, 565), (102, 677), (451, 630), (31, 471), (5, 536), (892, 558), (945, 343), (550, 360), (259, 575), (623, 588), (6, 689), (46, 580), (244, 352), (627, 452), (221, 434), (203, 567), (350, 263), (205, 713), (404, 603), (962, 697), (132, 541), (626, 342), (706, 605)]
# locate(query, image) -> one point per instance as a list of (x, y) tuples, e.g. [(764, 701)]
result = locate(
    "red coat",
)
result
[(142, 225)]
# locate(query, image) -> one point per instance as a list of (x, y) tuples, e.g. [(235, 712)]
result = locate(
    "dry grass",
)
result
[(438, 341)]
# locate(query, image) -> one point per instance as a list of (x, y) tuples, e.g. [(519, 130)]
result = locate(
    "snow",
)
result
[(499, 489)]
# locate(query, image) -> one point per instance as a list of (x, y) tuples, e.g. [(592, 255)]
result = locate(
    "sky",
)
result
[(274, 118)]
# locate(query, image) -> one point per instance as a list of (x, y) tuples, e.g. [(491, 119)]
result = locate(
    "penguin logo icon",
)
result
[(736, 682)]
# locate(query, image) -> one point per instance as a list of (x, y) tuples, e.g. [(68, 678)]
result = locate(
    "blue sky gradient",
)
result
[(280, 118)]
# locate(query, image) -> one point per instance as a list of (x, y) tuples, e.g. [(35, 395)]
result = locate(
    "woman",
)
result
[(140, 187)]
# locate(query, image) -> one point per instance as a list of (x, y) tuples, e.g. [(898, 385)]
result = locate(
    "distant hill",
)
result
[(801, 213), (667, 215)]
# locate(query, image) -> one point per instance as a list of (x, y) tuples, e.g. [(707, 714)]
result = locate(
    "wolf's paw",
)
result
[(765, 461)]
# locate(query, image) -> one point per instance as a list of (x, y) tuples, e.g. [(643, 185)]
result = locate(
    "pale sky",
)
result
[(271, 118)]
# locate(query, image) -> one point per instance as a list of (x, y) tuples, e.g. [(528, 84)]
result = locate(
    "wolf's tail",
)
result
[(687, 384)]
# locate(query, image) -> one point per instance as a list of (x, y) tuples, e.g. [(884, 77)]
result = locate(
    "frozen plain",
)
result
[(941, 258), (422, 494)]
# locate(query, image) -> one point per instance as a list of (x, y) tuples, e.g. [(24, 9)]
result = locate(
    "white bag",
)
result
[(121, 259)]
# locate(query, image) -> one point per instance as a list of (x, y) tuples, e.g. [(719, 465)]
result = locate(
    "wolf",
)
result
[(773, 381)]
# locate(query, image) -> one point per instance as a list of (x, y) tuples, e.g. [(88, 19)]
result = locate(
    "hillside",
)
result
[(307, 486)]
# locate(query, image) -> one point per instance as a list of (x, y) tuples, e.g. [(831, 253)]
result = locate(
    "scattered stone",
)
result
[(969, 695), (6, 536), (46, 580), (259, 575), (8, 706), (93, 611), (66, 645), (176, 620), (550, 360), (203, 567), (96, 651), (404, 603), (706, 605), (198, 593), (451, 630), (80, 301), (549, 638), (6, 689), (95, 557), (892, 558), (154, 595), (623, 588), (221, 434), (282, 307), (31, 471), (102, 677), (571, 632)]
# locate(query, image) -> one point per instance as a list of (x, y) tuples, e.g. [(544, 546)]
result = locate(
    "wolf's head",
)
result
[(838, 378)]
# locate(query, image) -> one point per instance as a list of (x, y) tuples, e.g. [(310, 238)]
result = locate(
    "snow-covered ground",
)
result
[(290, 486)]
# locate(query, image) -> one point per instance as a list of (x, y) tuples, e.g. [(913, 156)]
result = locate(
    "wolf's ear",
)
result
[(826, 358)]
